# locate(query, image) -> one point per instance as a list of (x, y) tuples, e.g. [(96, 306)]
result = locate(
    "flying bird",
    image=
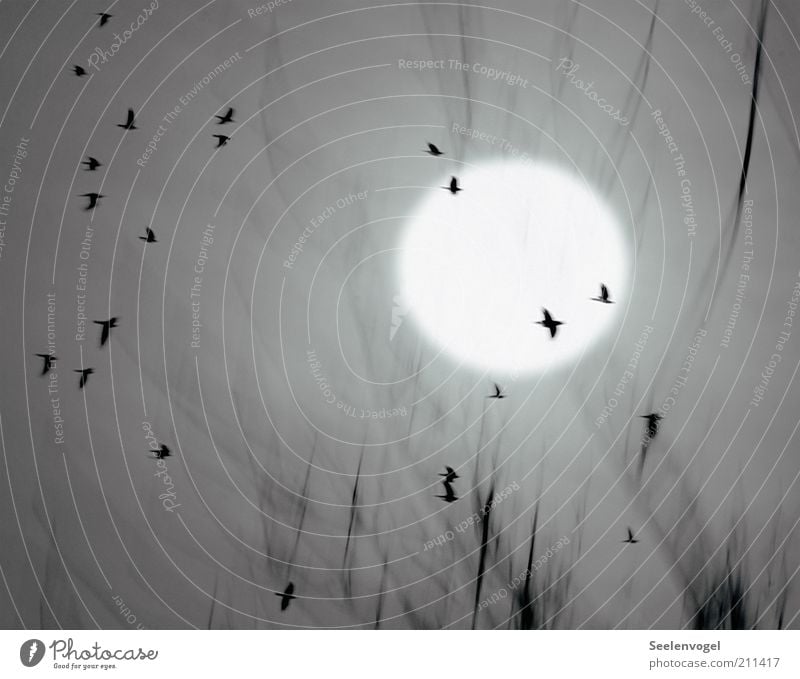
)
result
[(149, 236), (450, 476), (449, 495), (631, 540), (652, 431), (79, 70), (106, 331), (128, 124), (604, 297), (497, 392), (454, 187), (93, 198), (549, 323), (92, 164), (227, 118), (85, 372), (433, 150), (221, 140), (652, 424), (161, 452), (104, 18), (286, 596), (48, 359)]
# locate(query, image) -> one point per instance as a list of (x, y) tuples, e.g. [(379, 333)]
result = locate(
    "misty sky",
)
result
[(265, 340)]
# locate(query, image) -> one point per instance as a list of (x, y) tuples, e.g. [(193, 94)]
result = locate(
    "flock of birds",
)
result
[(547, 321), (91, 164), (93, 201), (551, 324)]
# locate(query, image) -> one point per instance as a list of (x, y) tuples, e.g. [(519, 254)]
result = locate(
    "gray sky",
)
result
[(268, 405)]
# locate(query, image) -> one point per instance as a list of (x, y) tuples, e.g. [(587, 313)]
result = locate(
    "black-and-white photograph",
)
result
[(413, 315)]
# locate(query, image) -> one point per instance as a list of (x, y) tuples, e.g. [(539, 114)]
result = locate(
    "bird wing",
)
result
[(630, 534), (603, 291), (130, 116), (547, 317), (553, 329)]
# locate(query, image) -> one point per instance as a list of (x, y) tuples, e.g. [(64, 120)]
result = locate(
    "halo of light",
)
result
[(478, 268)]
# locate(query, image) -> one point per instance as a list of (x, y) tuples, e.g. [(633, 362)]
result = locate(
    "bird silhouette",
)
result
[(85, 372), (630, 540), (604, 297), (92, 164), (652, 424), (286, 596), (449, 495), (48, 359), (549, 323), (149, 236), (453, 187), (128, 124), (106, 331), (103, 18), (433, 150), (498, 393), (227, 118), (221, 140), (450, 476), (93, 199), (79, 70), (161, 452)]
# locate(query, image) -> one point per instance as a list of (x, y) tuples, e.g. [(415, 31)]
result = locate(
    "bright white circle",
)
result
[(477, 268)]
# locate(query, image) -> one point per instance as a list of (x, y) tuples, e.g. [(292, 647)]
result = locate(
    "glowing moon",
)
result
[(477, 268)]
